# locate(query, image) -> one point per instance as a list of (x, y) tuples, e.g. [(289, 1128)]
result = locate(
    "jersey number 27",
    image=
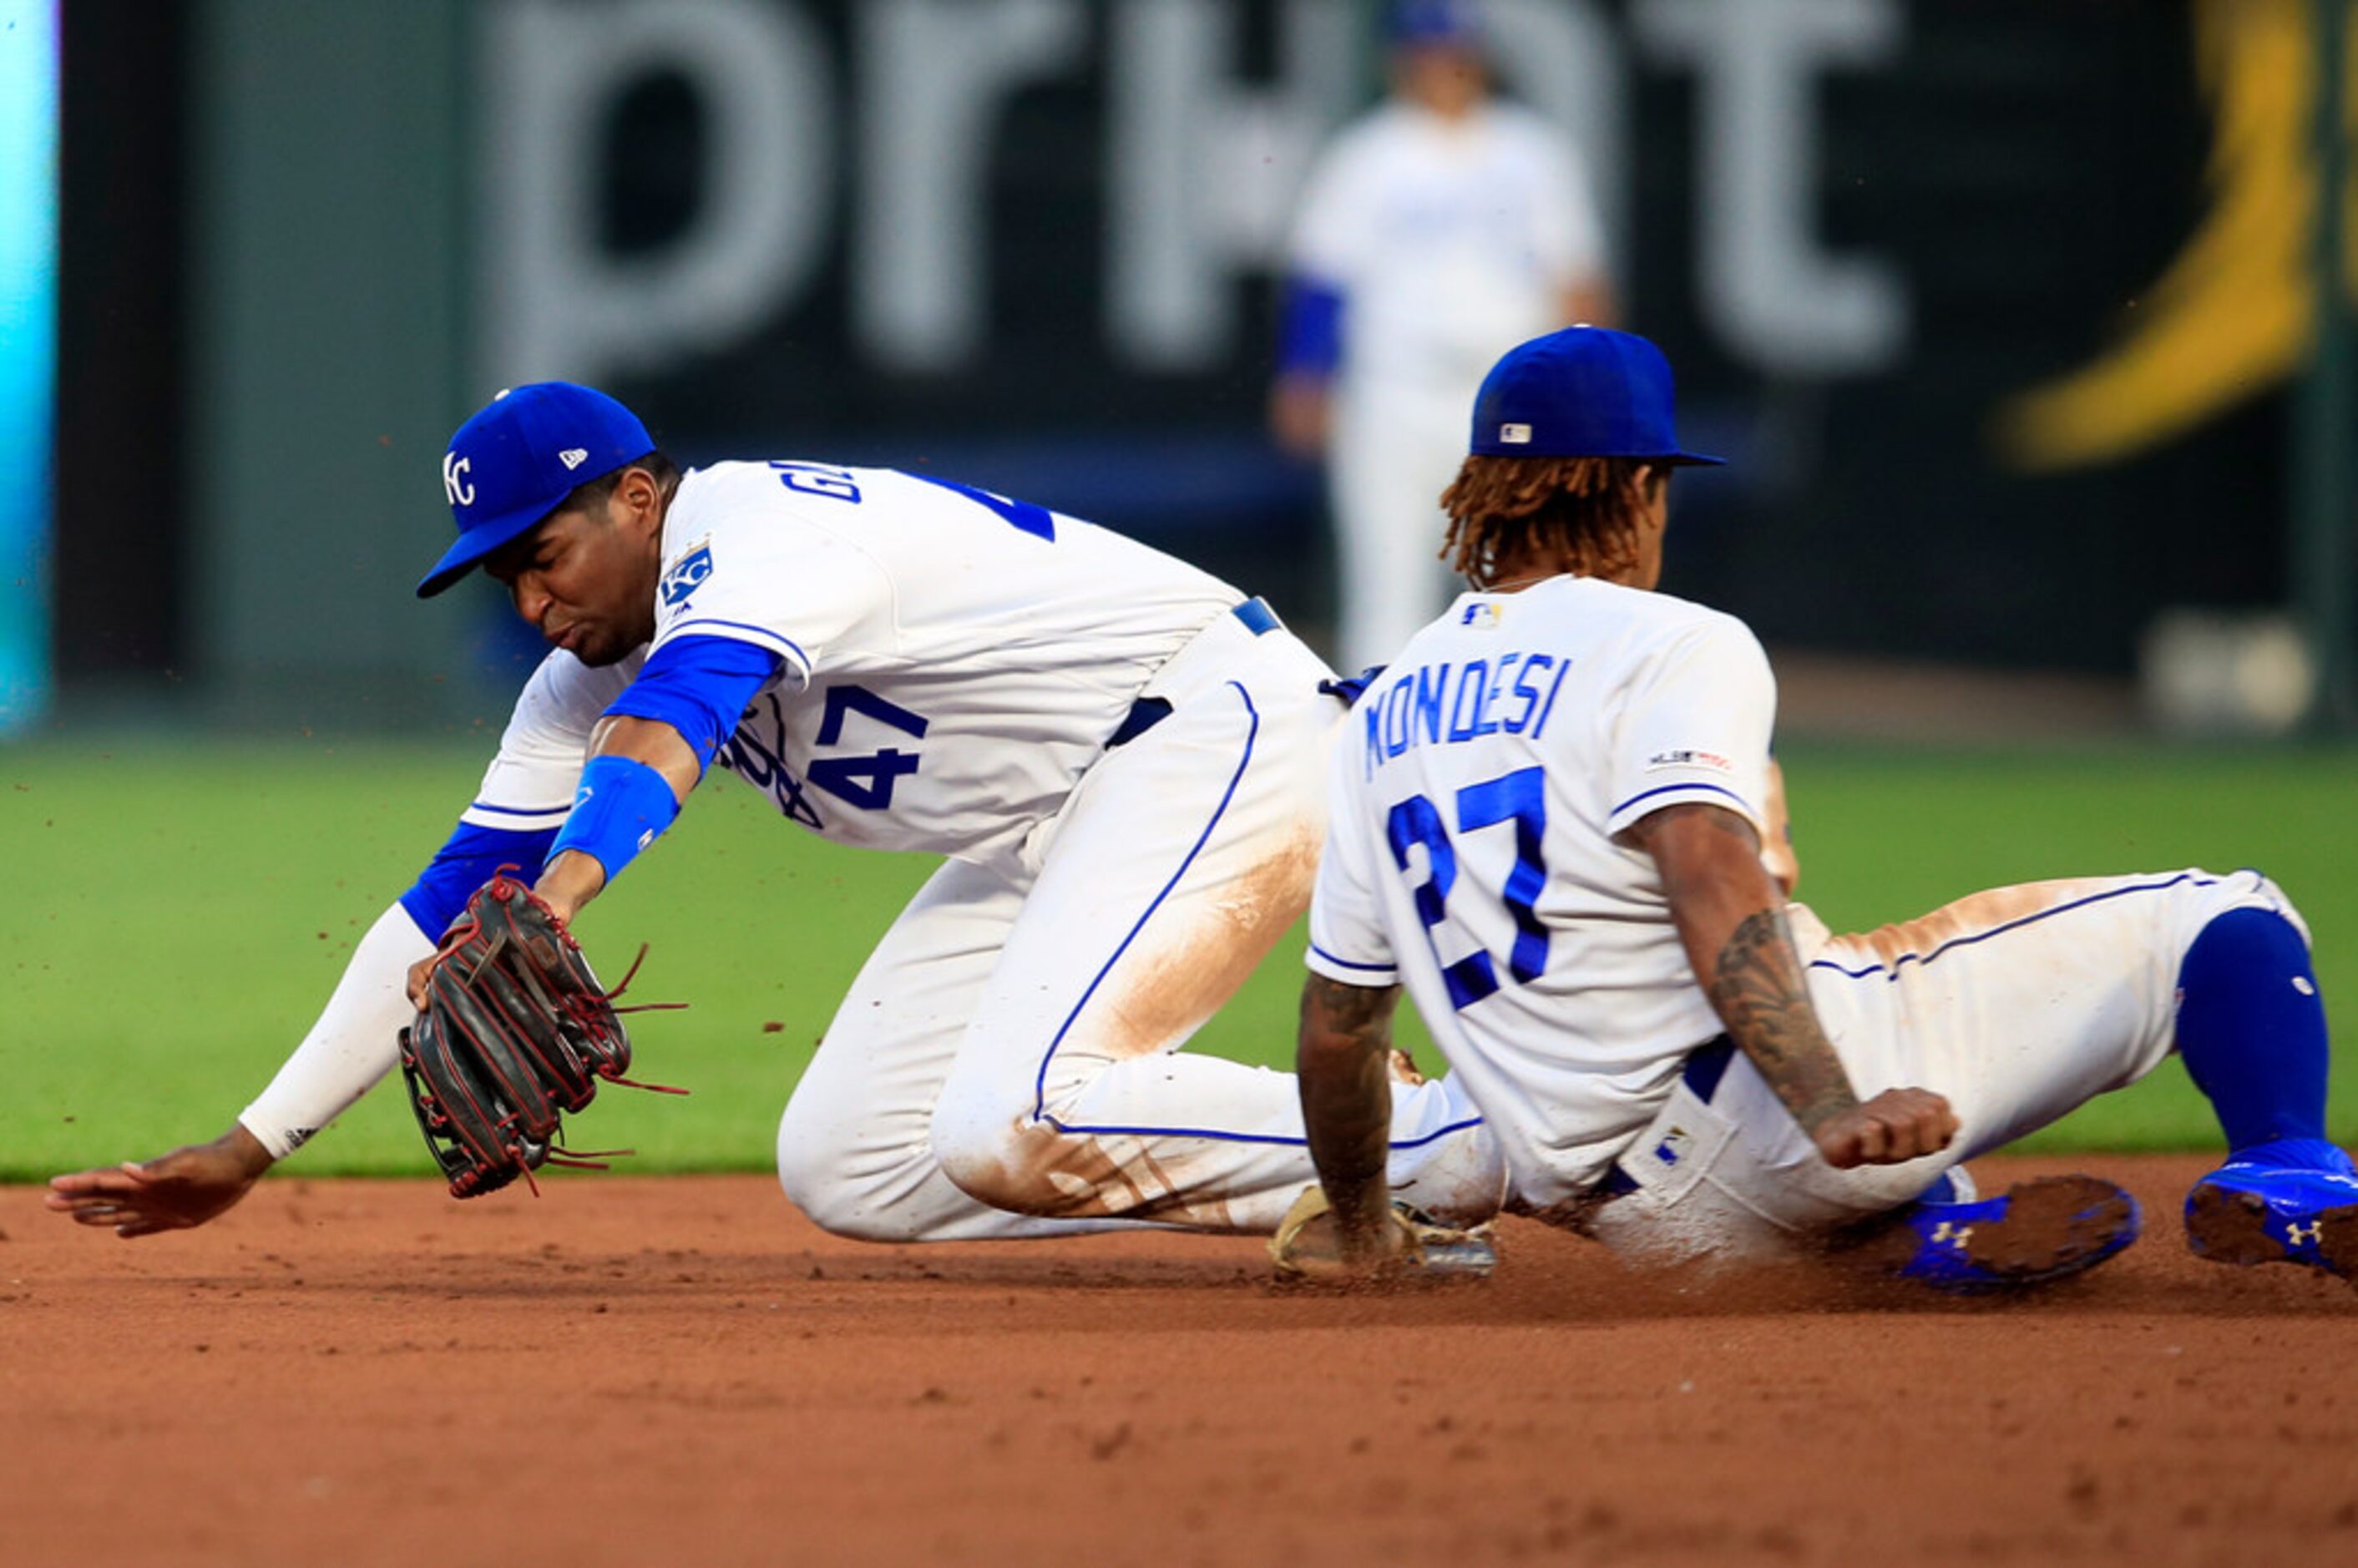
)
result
[(1520, 797)]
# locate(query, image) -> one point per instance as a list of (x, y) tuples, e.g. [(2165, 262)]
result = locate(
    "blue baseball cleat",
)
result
[(2294, 1201), (2033, 1232)]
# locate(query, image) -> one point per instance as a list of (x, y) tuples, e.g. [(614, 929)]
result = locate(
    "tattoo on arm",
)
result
[(1710, 860), (1346, 1085), (1760, 993), (1363, 1012)]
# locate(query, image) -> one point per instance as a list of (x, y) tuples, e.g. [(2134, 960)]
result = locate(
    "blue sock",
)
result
[(2252, 1028)]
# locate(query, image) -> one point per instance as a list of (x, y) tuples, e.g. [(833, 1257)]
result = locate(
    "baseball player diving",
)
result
[(1547, 819), (1121, 757)]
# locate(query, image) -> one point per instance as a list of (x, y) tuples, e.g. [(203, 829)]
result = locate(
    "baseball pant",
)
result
[(1007, 1063), (2020, 1004), (1395, 449)]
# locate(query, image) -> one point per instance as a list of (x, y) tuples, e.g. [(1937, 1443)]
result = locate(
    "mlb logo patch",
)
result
[(1481, 617), (1673, 1146), (686, 576), (1515, 434), (1687, 757)]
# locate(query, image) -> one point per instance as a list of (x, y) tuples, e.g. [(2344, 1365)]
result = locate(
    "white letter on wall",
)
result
[(1769, 292), (556, 303), (1200, 172), (1560, 57), (935, 75)]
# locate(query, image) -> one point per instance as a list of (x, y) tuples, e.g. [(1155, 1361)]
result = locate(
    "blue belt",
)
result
[(1258, 616), (1149, 711), (1704, 1066)]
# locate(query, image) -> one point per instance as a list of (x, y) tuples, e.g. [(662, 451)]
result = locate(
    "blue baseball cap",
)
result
[(518, 459), (1433, 24), (1585, 391)]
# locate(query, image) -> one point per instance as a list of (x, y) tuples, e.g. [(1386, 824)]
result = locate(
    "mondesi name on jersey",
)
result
[(1445, 703)]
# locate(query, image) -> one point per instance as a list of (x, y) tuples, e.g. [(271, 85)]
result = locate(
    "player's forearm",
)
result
[(354, 1043), (1731, 918), (659, 745), (1342, 1061), (1757, 986), (587, 853)]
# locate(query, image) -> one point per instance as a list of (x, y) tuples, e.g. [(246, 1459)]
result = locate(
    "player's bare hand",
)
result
[(1300, 416), (1895, 1125), (1318, 1248), (173, 1192), (417, 973)]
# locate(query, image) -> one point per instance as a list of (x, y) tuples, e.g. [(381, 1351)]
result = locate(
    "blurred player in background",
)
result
[(1434, 233), (1121, 757), (1547, 823)]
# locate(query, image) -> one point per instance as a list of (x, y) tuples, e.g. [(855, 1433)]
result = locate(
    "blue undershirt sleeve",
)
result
[(1310, 328), (466, 864), (699, 685)]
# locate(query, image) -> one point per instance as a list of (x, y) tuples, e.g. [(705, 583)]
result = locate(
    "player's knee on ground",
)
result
[(824, 1178), (1012, 1161), (993, 1141)]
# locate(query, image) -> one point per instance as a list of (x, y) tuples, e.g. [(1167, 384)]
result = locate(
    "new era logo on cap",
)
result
[(573, 457)]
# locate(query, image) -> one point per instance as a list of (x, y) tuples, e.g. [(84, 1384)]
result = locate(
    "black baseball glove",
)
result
[(514, 1032)]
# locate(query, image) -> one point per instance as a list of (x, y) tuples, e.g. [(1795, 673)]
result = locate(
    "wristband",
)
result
[(622, 807), (1310, 335), (466, 864)]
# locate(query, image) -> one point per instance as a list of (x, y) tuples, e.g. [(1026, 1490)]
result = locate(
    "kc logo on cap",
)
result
[(519, 457)]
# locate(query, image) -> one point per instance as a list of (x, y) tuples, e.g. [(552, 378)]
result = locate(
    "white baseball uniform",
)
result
[(1450, 241), (953, 666), (1478, 792)]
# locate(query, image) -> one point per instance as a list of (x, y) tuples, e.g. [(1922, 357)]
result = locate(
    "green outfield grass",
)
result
[(175, 915)]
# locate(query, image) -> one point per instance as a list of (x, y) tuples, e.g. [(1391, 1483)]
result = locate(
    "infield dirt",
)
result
[(682, 1369)]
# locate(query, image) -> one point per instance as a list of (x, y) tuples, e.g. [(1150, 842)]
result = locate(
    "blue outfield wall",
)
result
[(28, 292)]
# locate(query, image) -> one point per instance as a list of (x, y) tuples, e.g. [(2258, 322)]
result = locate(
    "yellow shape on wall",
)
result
[(2234, 314)]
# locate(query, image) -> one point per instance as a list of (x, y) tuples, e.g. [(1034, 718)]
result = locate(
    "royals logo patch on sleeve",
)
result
[(686, 576)]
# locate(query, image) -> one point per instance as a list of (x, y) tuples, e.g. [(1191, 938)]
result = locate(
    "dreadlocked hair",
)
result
[(1501, 507)]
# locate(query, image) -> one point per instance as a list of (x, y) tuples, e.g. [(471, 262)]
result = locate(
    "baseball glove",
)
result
[(514, 1032), (1306, 1248)]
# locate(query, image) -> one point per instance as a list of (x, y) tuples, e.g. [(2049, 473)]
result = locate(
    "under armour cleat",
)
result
[(1954, 1184), (2294, 1201), (2033, 1232)]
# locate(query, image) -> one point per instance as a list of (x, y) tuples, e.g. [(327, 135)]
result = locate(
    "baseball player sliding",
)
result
[(1121, 756), (1547, 819)]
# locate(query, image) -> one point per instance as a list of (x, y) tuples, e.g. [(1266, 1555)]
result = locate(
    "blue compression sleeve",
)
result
[(2251, 1028), (699, 685), (1310, 329), (622, 806), (466, 864)]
